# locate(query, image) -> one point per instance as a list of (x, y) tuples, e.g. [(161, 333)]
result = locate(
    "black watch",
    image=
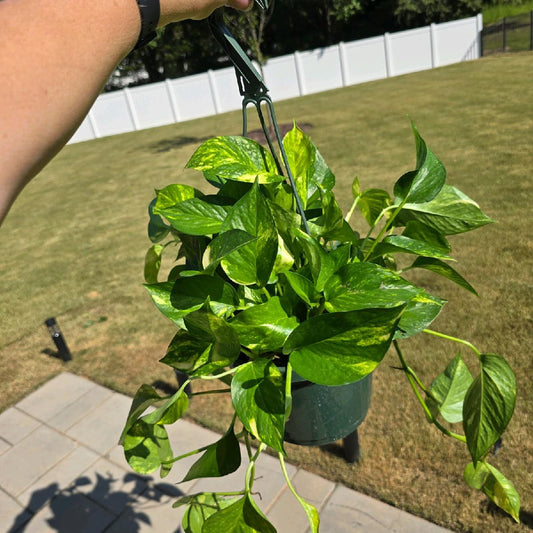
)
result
[(150, 12)]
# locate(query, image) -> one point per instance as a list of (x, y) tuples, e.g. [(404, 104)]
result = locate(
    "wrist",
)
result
[(149, 12)]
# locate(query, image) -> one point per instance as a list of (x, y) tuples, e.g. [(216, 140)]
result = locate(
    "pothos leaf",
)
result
[(343, 347), (448, 391), (488, 405), (235, 158), (200, 507), (252, 263), (152, 263), (243, 516), (258, 396), (146, 446), (371, 203), (219, 459), (449, 213), (495, 485), (443, 269), (424, 183)]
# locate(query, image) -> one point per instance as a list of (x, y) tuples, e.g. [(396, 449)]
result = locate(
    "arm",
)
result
[(55, 57)]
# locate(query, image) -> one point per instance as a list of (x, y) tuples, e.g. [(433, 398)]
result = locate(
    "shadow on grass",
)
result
[(95, 505), (165, 145), (526, 517)]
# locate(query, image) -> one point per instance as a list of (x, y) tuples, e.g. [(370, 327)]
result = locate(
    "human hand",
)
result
[(176, 10)]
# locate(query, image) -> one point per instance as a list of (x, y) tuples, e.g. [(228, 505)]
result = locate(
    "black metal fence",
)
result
[(512, 34)]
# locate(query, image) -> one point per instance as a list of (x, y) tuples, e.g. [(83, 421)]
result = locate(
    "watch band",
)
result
[(150, 12)]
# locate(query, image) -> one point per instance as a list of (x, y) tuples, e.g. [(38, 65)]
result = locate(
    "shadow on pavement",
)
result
[(89, 506)]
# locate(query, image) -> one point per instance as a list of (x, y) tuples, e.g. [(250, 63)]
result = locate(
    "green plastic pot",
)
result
[(322, 414)]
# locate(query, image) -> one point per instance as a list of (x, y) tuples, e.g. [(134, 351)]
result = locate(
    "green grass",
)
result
[(73, 248), (494, 13)]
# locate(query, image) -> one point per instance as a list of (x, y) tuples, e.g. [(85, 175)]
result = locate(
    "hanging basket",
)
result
[(323, 414)]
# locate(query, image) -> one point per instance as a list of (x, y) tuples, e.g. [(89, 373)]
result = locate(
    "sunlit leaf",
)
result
[(253, 262), (488, 405), (235, 158), (450, 212), (448, 391), (424, 183), (195, 216), (258, 396), (495, 485), (264, 327), (339, 348)]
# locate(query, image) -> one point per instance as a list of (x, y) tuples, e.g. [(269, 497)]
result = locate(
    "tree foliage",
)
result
[(421, 12), (188, 47)]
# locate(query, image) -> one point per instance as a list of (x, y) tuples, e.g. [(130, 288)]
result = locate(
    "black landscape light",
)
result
[(57, 337)]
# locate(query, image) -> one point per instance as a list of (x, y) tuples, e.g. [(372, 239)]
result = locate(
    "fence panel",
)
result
[(85, 132), (112, 114), (365, 60), (151, 105), (321, 69), (213, 92), (193, 97), (226, 89), (457, 40), (411, 50), (281, 77)]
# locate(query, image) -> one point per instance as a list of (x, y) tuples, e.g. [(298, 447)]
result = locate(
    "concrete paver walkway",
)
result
[(62, 471)]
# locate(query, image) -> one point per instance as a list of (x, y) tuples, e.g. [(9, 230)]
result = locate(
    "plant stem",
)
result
[(217, 376), (250, 471), (384, 229), (288, 390), (352, 209), (306, 506), (414, 381), (454, 339), (188, 454), (217, 391)]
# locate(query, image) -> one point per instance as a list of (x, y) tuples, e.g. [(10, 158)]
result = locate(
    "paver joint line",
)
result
[(328, 497)]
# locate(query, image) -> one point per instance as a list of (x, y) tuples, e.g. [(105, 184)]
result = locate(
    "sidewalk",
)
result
[(62, 471)]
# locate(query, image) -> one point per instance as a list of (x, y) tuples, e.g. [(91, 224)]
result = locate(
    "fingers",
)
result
[(242, 5), (176, 10)]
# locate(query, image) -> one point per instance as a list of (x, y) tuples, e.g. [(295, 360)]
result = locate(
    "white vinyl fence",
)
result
[(287, 76)]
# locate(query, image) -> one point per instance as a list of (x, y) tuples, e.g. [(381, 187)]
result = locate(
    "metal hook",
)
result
[(254, 91)]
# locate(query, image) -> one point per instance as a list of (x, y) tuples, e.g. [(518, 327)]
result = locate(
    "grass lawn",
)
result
[(517, 28), (494, 13), (73, 248)]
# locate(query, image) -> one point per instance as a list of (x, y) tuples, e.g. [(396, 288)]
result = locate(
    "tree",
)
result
[(412, 13), (178, 50)]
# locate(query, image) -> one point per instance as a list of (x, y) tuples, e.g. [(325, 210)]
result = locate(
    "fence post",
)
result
[(214, 91), (388, 55), (93, 124), (479, 29), (504, 37), (345, 75), (434, 49), (173, 104), (131, 109), (300, 74)]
